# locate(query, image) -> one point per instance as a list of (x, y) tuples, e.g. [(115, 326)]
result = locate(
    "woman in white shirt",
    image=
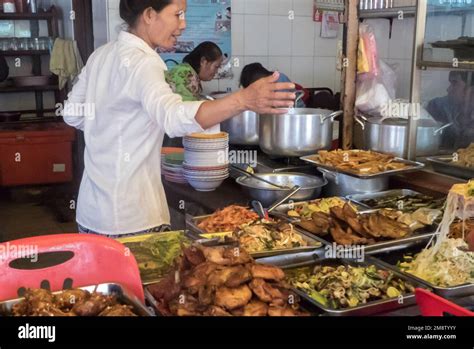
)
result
[(124, 106)]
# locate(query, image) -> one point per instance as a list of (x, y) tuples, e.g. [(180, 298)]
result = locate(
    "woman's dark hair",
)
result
[(208, 50), (253, 72), (130, 10)]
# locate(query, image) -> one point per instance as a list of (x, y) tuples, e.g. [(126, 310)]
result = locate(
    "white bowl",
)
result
[(205, 186)]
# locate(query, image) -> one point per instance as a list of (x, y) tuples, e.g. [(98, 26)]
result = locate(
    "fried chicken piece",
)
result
[(198, 277), (167, 289), (237, 256), (66, 300), (206, 295), (284, 312), (232, 298), (194, 256), (229, 276), (255, 308), (225, 256), (264, 291), (216, 311), (378, 226), (184, 305), (267, 272), (118, 311), (51, 311), (338, 212), (94, 305), (346, 238)]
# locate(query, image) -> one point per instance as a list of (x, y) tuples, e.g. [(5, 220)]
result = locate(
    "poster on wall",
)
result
[(207, 20)]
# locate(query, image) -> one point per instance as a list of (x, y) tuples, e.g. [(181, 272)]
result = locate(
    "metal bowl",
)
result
[(267, 194)]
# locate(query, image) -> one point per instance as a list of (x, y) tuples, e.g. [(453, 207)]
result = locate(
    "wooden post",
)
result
[(349, 74)]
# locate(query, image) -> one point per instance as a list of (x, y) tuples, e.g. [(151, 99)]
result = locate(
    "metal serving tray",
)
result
[(371, 308), (359, 198), (145, 256), (413, 166), (109, 289), (443, 164), (416, 237), (314, 241), (304, 303), (281, 211), (389, 259)]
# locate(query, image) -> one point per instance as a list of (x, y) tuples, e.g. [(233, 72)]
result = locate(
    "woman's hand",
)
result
[(265, 96)]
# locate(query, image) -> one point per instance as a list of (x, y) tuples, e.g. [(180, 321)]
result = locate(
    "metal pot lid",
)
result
[(284, 179), (403, 122), (306, 111)]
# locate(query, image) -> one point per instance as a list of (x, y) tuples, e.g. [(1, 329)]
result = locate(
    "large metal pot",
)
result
[(267, 194), (389, 135), (342, 185), (300, 132), (243, 128)]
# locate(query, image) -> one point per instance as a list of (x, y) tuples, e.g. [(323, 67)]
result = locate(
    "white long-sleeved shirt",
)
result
[(124, 106)]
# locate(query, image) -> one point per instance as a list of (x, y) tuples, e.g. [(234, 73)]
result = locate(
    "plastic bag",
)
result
[(374, 92), (368, 57)]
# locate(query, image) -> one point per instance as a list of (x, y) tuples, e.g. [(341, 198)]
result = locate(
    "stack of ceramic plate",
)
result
[(206, 161), (172, 168)]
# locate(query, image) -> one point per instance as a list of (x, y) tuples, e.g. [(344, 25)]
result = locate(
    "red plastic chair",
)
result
[(93, 260), (433, 305)]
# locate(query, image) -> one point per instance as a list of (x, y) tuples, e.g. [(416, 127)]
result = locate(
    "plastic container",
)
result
[(36, 154), (433, 305), (42, 263)]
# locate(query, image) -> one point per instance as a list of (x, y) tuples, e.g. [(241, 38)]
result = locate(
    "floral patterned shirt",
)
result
[(184, 81)]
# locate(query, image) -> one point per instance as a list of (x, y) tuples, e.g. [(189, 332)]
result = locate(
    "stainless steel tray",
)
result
[(145, 256), (359, 198), (371, 308), (389, 260), (304, 305), (413, 166), (313, 240), (281, 211), (123, 297), (416, 237), (443, 164)]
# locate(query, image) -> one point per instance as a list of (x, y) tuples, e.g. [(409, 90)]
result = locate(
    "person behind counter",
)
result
[(456, 107), (201, 64), (255, 71), (133, 107)]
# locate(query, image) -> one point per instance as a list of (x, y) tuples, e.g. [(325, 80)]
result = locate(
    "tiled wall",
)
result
[(263, 32)]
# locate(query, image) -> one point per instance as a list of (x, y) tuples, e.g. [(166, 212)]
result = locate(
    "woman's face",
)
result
[(163, 28), (209, 69)]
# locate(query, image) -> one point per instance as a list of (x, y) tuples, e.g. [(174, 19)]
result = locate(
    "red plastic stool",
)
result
[(433, 305), (91, 260)]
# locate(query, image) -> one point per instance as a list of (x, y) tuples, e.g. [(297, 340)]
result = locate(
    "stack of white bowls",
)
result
[(206, 161)]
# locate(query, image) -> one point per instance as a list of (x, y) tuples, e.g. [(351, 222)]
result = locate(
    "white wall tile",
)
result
[(303, 7), (280, 36), (280, 7), (238, 6), (303, 36), (238, 34), (302, 70), (323, 47), (256, 35), (324, 72), (256, 7), (282, 64), (256, 59)]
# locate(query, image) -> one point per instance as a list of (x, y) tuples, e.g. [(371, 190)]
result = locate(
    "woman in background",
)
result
[(201, 64)]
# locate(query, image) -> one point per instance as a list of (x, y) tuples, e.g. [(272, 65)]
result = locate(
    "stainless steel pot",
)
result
[(267, 194), (243, 129), (389, 135), (342, 185), (300, 132)]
